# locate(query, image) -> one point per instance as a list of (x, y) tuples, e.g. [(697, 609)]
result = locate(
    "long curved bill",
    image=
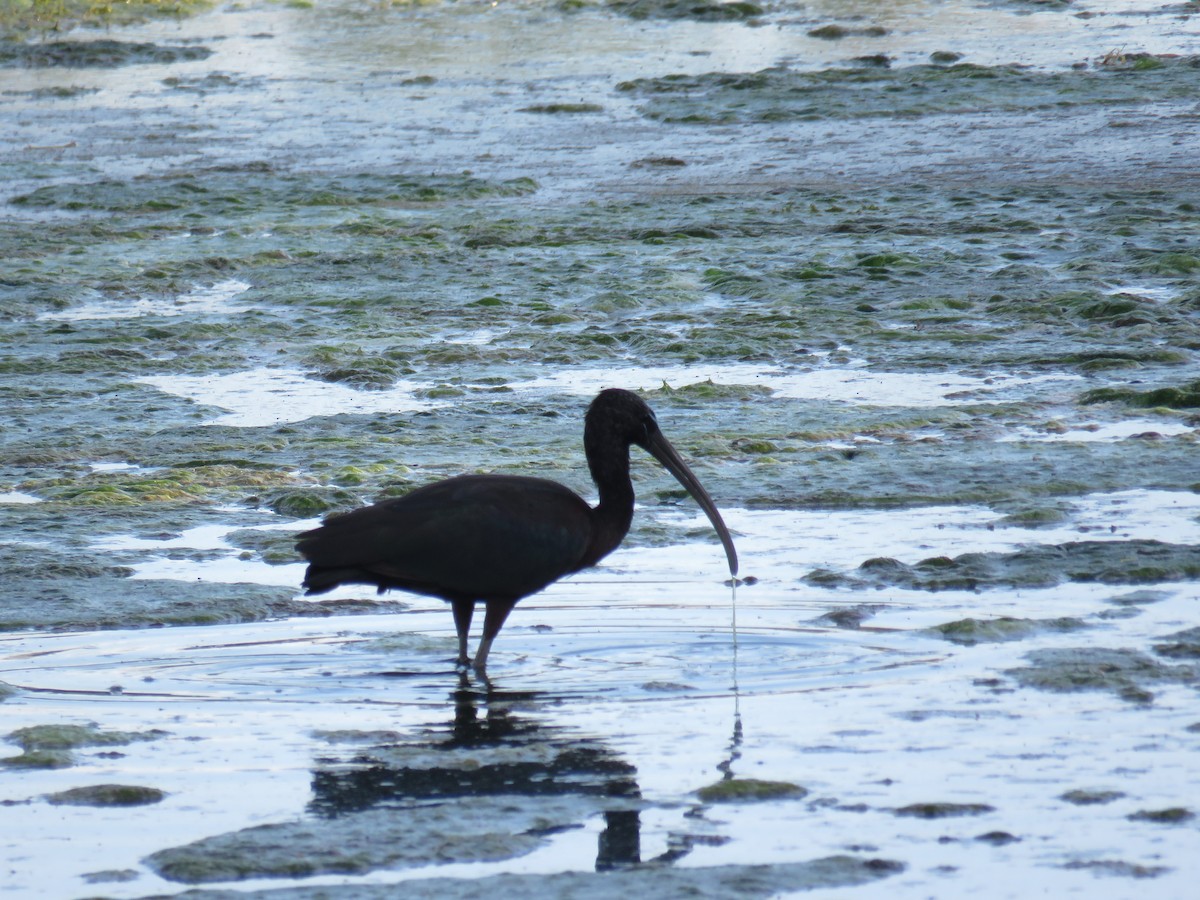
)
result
[(660, 448)]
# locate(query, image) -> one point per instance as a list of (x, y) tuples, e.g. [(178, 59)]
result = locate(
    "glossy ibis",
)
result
[(498, 538)]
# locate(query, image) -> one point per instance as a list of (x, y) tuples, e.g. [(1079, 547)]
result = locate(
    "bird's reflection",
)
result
[(620, 841), (496, 744), (735, 744)]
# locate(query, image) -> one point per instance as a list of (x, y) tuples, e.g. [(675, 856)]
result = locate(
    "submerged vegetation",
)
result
[(450, 293), (781, 94), (1186, 396), (42, 16), (53, 746)]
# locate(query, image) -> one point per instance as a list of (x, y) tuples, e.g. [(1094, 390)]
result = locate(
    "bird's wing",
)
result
[(476, 536)]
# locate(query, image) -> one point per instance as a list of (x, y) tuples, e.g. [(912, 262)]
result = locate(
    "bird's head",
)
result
[(623, 415), (625, 418)]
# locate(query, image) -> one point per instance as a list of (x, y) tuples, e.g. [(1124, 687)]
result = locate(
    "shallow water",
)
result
[(646, 665), (323, 255)]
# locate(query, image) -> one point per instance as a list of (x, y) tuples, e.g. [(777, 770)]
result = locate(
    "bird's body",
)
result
[(492, 522), (498, 538)]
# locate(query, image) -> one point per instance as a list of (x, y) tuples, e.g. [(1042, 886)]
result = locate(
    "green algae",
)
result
[(107, 603), (1004, 628), (256, 186), (749, 790), (753, 882), (944, 57), (1117, 867), (112, 876), (107, 795), (1127, 673), (214, 81), (850, 617), (356, 736), (619, 284), (71, 737), (305, 503), (78, 588), (365, 373), (40, 562), (51, 746), (1184, 397), (476, 829), (1180, 645), (39, 759), (1173, 815), (698, 393), (1107, 562), (698, 10), (835, 32), (359, 278), (1036, 517), (59, 16), (781, 94), (1139, 598), (186, 483), (269, 546), (1169, 263), (997, 838), (562, 108), (942, 810), (1082, 797), (96, 54)]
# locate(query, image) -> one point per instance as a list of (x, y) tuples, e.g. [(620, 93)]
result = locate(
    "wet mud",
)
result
[(915, 289)]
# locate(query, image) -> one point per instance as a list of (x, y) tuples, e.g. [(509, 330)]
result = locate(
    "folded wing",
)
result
[(476, 537)]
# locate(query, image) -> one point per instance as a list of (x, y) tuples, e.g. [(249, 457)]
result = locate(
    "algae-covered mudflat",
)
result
[(915, 289)]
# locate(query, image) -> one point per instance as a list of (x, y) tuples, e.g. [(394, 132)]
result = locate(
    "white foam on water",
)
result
[(1157, 293), (107, 467), (264, 396), (1107, 431), (845, 384), (209, 300)]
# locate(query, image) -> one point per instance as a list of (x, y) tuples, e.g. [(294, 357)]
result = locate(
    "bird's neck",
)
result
[(611, 519)]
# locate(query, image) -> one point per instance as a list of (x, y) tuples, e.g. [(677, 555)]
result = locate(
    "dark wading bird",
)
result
[(498, 538)]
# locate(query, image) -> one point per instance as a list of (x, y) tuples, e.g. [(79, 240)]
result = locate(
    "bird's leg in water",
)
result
[(463, 610), (493, 621)]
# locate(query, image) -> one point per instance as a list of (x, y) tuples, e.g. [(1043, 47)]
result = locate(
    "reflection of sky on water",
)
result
[(868, 720), (17, 497)]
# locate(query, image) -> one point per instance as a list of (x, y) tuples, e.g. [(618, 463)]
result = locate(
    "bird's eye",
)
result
[(649, 424)]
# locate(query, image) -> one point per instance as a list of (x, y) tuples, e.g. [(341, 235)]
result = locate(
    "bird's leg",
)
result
[(493, 621), (463, 611)]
